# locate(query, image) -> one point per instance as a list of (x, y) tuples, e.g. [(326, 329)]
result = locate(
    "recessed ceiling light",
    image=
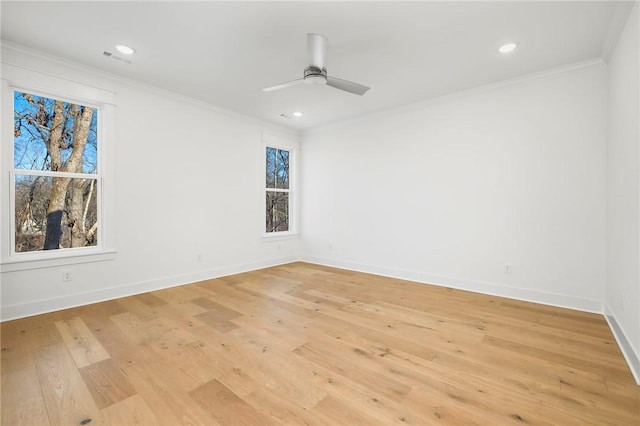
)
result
[(125, 50), (506, 48), (297, 114)]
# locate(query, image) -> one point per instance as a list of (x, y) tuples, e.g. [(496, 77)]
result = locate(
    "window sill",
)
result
[(31, 262), (279, 236)]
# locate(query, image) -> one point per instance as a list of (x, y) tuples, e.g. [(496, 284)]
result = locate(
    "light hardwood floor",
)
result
[(306, 344)]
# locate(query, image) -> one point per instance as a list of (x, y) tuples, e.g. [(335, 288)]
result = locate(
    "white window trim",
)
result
[(272, 141), (19, 79)]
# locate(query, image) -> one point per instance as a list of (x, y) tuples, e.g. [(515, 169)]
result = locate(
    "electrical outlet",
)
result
[(66, 276), (200, 257), (507, 268)]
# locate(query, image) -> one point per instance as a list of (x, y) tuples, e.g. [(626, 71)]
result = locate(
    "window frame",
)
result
[(270, 141), (27, 81)]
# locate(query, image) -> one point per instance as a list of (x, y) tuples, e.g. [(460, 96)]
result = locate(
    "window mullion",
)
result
[(50, 173)]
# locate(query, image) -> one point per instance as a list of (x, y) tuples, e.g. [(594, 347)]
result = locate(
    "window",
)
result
[(59, 158), (279, 187), (277, 190), (56, 180)]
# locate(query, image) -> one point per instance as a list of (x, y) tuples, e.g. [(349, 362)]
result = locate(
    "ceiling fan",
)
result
[(316, 73)]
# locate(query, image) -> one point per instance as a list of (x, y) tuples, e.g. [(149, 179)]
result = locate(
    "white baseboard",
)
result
[(632, 357), (528, 295), (43, 306)]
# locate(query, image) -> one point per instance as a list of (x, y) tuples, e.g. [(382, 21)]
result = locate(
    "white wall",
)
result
[(188, 182), (450, 191), (623, 173)]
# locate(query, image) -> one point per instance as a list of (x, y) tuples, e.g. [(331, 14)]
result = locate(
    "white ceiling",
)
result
[(223, 53)]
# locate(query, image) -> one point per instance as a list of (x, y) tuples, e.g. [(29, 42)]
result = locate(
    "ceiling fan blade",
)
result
[(347, 86), (283, 85), (317, 48)]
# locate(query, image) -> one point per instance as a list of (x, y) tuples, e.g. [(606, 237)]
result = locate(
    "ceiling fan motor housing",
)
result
[(315, 75)]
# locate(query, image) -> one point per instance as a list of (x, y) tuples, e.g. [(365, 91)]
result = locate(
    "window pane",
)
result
[(47, 132), (282, 164), (55, 213), (271, 168), (277, 211)]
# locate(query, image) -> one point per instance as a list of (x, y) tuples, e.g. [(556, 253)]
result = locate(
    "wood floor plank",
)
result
[(338, 328), (22, 401), (616, 371), (142, 329), (343, 413), (282, 410), (15, 356), (310, 344), (136, 306), (379, 383), (228, 371), (67, 398), (213, 320), (106, 383), (217, 316), (182, 293), (266, 368), (122, 349), (171, 405), (27, 335), (226, 407), (268, 336), (133, 411), (150, 299), (85, 349), (364, 398)]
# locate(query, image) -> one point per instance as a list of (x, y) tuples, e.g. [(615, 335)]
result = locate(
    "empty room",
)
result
[(320, 213)]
